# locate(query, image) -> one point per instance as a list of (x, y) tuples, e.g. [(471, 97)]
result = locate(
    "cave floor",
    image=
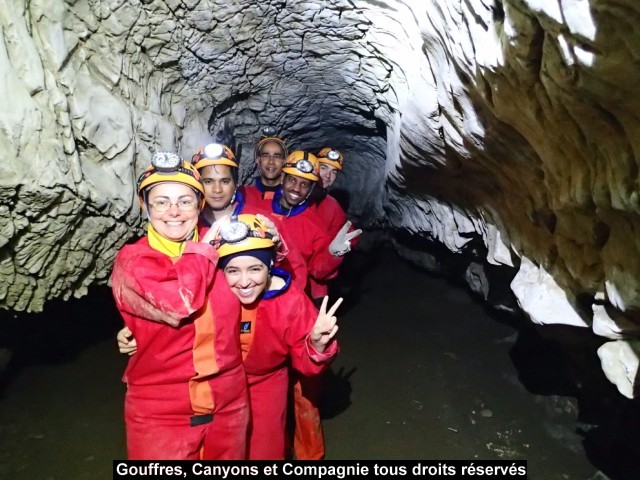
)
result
[(425, 372)]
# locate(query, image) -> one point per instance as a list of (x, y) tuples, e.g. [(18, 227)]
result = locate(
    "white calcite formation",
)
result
[(620, 364), (511, 124), (540, 296)]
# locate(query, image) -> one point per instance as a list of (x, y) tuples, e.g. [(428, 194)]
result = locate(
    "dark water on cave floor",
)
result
[(425, 372)]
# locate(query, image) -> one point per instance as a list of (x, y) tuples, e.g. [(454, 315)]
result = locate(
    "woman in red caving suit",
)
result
[(188, 369), (278, 325)]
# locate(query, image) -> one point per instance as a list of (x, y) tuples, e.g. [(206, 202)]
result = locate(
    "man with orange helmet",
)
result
[(270, 155), (219, 176), (329, 211), (175, 301)]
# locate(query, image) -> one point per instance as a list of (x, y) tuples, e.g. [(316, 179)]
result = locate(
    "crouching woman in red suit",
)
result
[(279, 324), (186, 387)]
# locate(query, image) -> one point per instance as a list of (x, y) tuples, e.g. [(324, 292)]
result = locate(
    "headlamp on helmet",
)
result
[(165, 161), (235, 231), (302, 164), (213, 150), (331, 156), (242, 233), (168, 167), (268, 132), (214, 154)]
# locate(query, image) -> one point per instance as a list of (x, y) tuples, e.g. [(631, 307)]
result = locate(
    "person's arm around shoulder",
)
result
[(148, 285), (126, 343)]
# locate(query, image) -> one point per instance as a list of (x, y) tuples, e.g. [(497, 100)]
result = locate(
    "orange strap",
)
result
[(204, 361), (308, 439)]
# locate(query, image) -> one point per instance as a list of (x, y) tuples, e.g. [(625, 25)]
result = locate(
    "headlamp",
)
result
[(268, 132), (305, 166), (168, 167), (165, 161), (333, 155), (236, 231), (213, 150)]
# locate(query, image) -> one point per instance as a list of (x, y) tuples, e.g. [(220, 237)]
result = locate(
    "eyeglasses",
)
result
[(269, 156), (184, 204)]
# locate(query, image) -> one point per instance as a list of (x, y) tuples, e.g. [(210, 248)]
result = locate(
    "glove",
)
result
[(342, 243)]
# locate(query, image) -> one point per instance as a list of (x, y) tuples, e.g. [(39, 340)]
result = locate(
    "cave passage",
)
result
[(425, 372), (504, 132)]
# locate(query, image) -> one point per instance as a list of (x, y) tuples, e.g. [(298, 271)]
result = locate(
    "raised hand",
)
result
[(325, 327), (341, 244), (126, 343), (213, 232), (271, 228)]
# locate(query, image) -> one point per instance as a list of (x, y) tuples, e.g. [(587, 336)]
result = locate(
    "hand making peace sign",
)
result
[(325, 327)]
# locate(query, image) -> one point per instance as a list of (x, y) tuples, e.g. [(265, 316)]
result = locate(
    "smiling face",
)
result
[(174, 224), (328, 175), (219, 186), (295, 190), (270, 159), (248, 277)]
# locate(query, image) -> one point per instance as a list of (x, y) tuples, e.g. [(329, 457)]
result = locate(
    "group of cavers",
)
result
[(225, 304)]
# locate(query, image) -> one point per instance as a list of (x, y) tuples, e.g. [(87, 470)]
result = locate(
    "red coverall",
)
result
[(288, 258), (305, 234), (332, 217), (279, 331), (186, 387), (259, 198)]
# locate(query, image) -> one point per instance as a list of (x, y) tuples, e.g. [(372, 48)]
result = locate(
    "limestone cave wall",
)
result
[(505, 131)]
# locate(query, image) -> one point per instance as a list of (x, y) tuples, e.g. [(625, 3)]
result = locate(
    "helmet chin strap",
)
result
[(146, 204), (313, 185)]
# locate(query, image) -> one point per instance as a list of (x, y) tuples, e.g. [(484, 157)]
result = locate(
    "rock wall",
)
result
[(506, 124)]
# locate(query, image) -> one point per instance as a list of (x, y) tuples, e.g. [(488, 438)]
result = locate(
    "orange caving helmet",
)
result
[(168, 167), (269, 135), (302, 164), (332, 157), (214, 154), (243, 233)]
